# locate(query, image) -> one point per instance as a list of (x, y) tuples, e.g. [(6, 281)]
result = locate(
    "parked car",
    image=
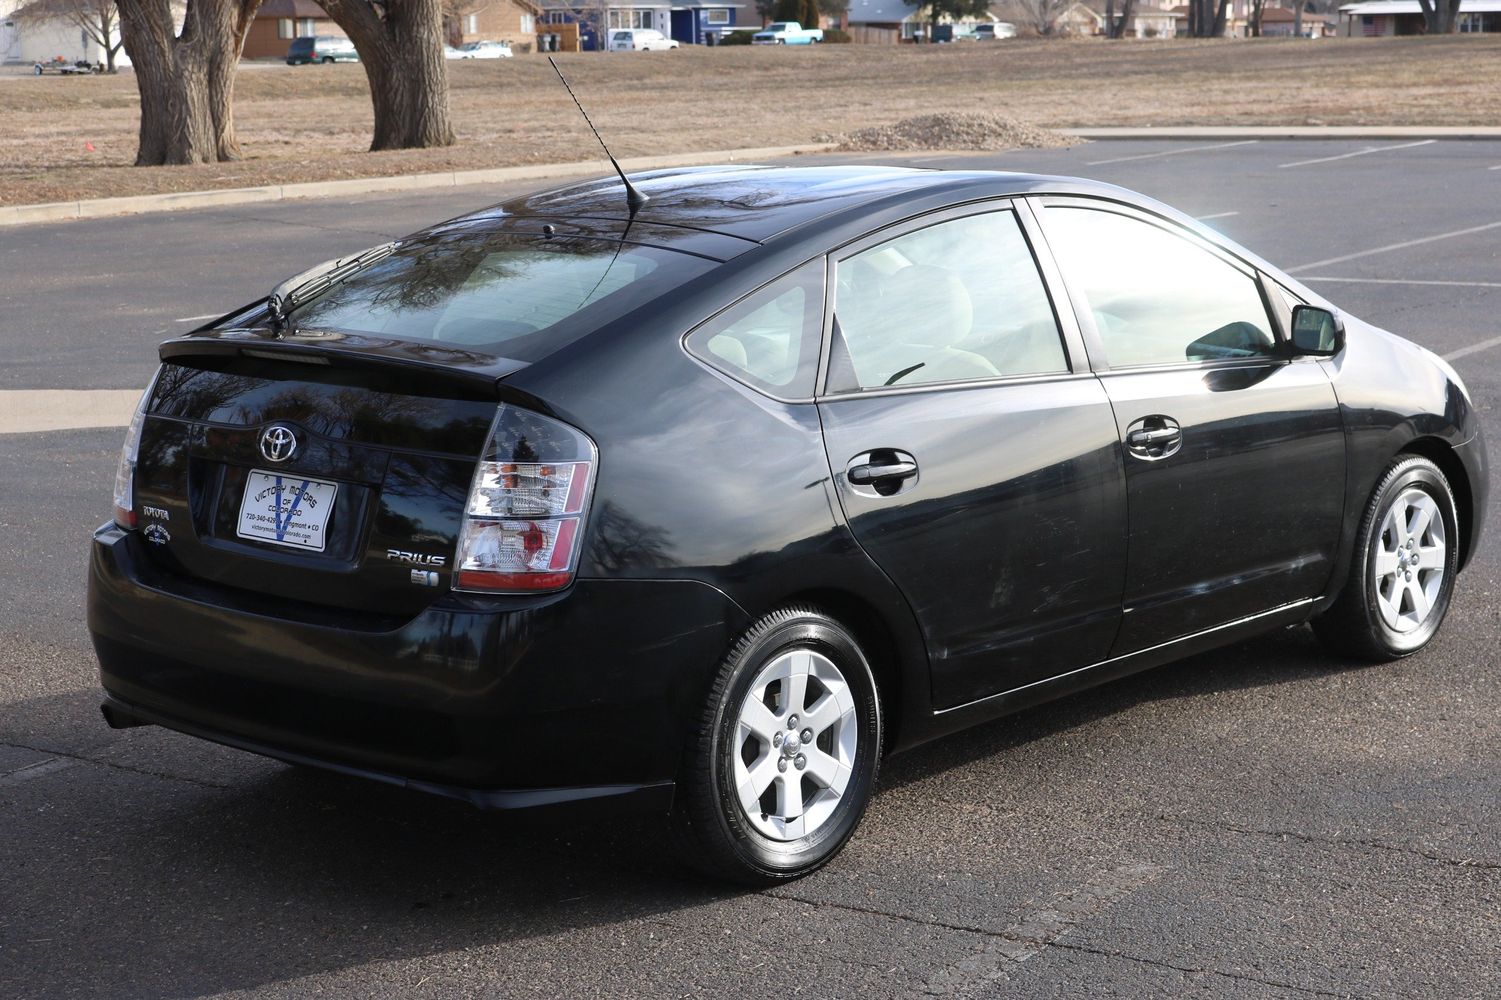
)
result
[(640, 40), (707, 504), (994, 31), (787, 33), (485, 50), (321, 49)]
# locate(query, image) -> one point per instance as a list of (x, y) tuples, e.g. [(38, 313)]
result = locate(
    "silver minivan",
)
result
[(321, 49)]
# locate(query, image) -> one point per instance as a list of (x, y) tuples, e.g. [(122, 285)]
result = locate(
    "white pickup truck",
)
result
[(787, 33)]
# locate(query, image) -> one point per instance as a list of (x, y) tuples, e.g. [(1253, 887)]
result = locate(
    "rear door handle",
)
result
[(872, 472), (1154, 438), (883, 472), (1142, 438)]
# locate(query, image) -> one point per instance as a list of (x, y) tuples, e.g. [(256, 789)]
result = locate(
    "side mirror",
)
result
[(1317, 332)]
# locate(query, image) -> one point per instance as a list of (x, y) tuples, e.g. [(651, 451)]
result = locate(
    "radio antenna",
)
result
[(633, 199)]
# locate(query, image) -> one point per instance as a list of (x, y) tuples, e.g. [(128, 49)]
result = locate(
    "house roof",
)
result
[(880, 11), (1277, 15), (291, 8), (1413, 7)]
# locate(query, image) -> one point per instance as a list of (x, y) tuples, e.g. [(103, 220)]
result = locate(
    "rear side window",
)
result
[(516, 295), (1156, 297), (955, 301), (769, 340)]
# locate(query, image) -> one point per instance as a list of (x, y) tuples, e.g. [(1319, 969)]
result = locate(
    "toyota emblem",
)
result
[(278, 443)]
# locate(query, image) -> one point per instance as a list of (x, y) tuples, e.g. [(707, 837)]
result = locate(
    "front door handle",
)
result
[(1154, 438), (884, 472)]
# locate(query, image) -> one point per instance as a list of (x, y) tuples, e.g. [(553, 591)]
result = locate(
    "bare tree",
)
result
[(187, 78), (454, 12), (1042, 15), (1116, 27), (1440, 17), (1253, 17), (400, 43), (1205, 20), (97, 19)]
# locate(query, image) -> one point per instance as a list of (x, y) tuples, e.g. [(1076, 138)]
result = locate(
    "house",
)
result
[(33, 31), (1282, 22), (1147, 21), (689, 22), (511, 21), (277, 22), (1079, 19), (1380, 18)]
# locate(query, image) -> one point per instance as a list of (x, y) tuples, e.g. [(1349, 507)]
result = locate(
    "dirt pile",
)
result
[(949, 130)]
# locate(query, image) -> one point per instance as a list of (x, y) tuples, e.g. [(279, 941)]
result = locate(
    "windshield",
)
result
[(521, 296)]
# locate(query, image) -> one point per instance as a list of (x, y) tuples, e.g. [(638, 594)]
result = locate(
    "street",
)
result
[(1259, 822)]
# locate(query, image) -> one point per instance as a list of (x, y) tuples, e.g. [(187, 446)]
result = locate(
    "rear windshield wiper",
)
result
[(300, 289)]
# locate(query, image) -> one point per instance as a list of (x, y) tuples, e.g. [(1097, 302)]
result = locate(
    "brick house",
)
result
[(277, 22), (512, 21)]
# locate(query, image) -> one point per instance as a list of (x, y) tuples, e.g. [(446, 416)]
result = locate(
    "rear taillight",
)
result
[(125, 472), (525, 518)]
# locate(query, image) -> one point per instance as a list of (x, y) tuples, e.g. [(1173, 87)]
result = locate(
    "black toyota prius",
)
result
[(700, 501)]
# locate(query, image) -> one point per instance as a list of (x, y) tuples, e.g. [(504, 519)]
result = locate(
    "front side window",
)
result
[(1156, 297), (954, 301), (770, 338)]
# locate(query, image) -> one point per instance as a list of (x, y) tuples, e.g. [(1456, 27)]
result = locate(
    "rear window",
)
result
[(302, 45), (519, 296)]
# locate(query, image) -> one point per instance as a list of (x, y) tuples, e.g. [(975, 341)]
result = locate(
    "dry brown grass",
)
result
[(312, 123)]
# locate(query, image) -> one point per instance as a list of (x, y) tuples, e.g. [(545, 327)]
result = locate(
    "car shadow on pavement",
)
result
[(171, 867)]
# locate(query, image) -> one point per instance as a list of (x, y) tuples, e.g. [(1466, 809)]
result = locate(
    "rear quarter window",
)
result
[(769, 340)]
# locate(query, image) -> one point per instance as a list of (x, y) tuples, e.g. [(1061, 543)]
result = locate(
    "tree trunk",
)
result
[(401, 47), (1298, 19), (1253, 19), (1219, 20), (1110, 19), (1120, 27), (186, 81)]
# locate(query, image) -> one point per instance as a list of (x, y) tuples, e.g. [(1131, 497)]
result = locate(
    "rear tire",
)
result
[(328, 60), (1403, 568), (767, 797)]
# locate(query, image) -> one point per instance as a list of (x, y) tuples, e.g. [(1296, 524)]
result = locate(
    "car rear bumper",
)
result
[(507, 703)]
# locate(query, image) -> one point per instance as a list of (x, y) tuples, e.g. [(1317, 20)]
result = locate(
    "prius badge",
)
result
[(278, 443)]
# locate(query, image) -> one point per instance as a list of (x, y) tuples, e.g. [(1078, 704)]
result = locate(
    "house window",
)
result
[(284, 28), (631, 18), (528, 25), (471, 23), (717, 17), (307, 27)]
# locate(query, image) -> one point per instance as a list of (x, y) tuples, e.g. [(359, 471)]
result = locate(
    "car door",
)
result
[(1234, 451), (974, 464)]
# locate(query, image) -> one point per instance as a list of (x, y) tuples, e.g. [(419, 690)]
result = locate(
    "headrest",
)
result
[(929, 306)]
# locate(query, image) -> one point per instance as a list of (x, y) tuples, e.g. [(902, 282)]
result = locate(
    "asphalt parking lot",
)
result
[(1261, 822)]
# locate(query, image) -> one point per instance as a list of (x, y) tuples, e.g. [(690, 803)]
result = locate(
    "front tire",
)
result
[(1402, 572), (785, 759)]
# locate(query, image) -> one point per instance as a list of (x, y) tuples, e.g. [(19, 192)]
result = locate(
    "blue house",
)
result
[(689, 22)]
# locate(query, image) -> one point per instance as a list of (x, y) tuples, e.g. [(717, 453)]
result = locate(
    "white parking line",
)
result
[(27, 411), (1393, 246), (1410, 281), (1172, 152), (1484, 345), (194, 319), (1216, 215), (1359, 152)]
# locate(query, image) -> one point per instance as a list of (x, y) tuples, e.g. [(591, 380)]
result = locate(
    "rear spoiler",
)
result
[(434, 367)]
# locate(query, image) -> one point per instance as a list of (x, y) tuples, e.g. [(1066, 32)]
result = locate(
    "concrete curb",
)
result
[(1291, 132), (17, 215)]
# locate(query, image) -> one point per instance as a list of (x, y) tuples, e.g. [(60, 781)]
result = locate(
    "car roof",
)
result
[(758, 203)]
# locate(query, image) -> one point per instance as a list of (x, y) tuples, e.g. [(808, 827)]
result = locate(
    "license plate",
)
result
[(285, 509)]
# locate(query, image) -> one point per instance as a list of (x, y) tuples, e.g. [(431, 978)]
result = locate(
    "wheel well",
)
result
[(875, 639), (1441, 455)]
